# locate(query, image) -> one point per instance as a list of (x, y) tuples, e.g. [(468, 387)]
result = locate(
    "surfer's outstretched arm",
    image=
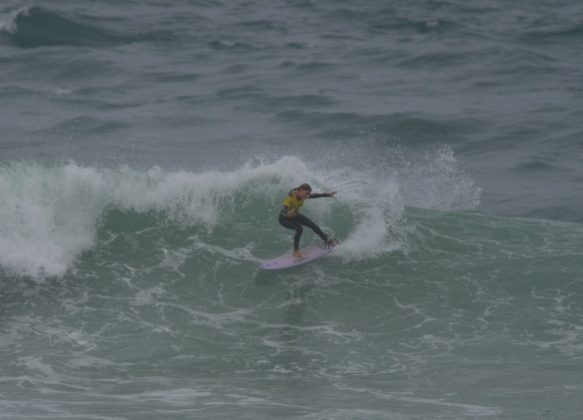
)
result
[(319, 195)]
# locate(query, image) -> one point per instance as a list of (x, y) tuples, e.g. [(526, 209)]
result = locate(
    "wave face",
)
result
[(52, 214)]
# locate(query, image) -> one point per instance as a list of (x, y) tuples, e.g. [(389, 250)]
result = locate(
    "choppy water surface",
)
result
[(146, 148)]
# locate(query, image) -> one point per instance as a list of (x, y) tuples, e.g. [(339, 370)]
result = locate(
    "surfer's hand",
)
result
[(292, 212), (332, 194)]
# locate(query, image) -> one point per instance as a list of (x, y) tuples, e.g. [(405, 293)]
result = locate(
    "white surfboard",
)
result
[(309, 253)]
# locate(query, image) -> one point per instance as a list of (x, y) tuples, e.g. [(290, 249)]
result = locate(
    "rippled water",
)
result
[(145, 151)]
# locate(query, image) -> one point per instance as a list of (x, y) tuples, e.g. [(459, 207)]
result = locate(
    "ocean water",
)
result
[(146, 147)]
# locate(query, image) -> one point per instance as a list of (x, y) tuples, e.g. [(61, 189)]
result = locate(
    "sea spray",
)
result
[(48, 216)]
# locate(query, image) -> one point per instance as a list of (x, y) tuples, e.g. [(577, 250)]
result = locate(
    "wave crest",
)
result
[(32, 27)]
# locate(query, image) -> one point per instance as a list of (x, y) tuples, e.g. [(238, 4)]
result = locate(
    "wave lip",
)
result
[(34, 27)]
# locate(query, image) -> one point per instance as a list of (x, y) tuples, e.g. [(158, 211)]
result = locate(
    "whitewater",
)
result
[(145, 151)]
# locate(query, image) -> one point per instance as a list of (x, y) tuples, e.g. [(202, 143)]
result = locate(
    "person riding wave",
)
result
[(290, 218)]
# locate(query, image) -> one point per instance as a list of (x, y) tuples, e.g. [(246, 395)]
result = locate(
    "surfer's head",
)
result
[(305, 187), (304, 191)]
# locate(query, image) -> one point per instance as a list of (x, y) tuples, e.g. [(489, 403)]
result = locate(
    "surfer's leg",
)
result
[(293, 225), (297, 237), (301, 219)]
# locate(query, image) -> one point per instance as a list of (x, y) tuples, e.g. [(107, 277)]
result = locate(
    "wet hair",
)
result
[(305, 187)]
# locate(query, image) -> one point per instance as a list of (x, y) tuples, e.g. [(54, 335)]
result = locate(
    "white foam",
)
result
[(378, 197), (148, 296), (434, 180), (47, 216), (377, 212), (8, 21), (236, 254)]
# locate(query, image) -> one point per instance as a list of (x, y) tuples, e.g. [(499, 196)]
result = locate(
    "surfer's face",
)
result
[(303, 194)]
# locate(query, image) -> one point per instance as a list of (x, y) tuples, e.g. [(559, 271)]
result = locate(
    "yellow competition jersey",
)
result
[(291, 202)]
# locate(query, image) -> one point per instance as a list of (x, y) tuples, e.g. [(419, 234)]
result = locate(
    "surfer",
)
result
[(290, 218)]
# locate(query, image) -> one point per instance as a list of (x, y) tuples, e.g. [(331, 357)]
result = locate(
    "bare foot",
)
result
[(297, 254)]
